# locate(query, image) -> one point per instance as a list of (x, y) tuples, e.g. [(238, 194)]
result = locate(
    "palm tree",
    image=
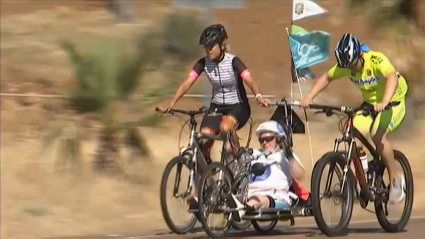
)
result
[(108, 74)]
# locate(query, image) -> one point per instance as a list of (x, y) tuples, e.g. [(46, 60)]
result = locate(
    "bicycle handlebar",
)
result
[(350, 111), (192, 113), (367, 109)]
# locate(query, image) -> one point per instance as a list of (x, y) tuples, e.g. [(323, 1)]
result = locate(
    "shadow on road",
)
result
[(289, 231), (315, 232), (276, 232), (308, 232)]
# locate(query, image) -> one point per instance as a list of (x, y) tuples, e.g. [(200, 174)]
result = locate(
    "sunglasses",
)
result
[(267, 139)]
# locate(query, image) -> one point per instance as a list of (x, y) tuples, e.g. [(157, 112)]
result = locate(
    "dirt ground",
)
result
[(37, 200)]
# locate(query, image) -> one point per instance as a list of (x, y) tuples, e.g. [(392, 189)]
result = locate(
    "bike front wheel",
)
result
[(344, 197), (179, 162)]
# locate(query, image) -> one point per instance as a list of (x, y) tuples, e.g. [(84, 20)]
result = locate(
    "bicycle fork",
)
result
[(192, 163), (360, 175)]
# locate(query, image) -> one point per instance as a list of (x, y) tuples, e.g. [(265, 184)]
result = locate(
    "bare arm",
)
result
[(251, 84), (183, 88), (320, 85), (244, 73)]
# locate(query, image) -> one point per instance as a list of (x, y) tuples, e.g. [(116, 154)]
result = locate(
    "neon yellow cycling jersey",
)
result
[(371, 78)]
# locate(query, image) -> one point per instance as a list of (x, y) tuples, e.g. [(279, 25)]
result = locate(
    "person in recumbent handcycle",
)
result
[(274, 174)]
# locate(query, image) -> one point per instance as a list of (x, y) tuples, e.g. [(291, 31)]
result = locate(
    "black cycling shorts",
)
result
[(241, 112)]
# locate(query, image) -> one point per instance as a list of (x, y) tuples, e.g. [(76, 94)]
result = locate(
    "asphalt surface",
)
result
[(369, 229)]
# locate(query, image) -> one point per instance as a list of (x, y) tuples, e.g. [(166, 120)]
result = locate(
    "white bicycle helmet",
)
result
[(272, 127)]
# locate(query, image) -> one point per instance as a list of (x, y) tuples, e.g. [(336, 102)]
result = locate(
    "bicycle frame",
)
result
[(349, 135), (197, 160)]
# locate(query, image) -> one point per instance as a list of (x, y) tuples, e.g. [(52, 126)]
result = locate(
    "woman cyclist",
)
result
[(226, 73), (380, 84)]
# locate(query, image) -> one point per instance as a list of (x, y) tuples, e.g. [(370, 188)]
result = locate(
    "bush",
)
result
[(176, 39), (396, 13), (108, 73)]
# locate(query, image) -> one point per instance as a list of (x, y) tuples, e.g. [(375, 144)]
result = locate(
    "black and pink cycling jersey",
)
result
[(225, 77)]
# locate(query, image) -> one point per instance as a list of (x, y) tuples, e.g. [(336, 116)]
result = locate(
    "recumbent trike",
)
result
[(213, 195)]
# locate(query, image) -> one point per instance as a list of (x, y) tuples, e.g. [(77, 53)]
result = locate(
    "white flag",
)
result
[(305, 8)]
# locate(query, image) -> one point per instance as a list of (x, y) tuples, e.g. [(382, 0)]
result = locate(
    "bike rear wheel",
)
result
[(381, 202), (179, 162), (337, 162), (264, 228), (242, 225), (212, 196)]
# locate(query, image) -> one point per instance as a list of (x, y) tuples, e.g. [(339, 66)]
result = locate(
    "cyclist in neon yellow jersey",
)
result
[(380, 84)]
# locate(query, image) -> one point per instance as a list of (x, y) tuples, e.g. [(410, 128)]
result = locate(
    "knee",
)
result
[(207, 131), (225, 127)]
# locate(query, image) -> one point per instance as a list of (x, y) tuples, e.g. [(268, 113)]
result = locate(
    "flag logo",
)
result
[(299, 8), (306, 8)]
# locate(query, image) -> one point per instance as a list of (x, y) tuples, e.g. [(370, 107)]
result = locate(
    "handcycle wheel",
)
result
[(242, 225), (212, 197), (408, 205), (178, 161), (334, 159), (262, 229)]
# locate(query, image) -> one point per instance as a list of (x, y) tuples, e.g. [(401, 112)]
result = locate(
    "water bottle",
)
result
[(363, 159)]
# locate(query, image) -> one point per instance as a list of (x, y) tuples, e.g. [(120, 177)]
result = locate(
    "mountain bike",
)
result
[(192, 158), (373, 188)]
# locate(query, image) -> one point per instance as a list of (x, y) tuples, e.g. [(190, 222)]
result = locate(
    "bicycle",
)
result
[(191, 157), (373, 187)]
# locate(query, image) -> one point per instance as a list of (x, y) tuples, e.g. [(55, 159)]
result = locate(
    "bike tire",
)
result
[(163, 198), (201, 199), (242, 225), (266, 229), (341, 227), (407, 211)]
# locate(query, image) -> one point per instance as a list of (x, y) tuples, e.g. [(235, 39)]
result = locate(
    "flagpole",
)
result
[(294, 71), (290, 52)]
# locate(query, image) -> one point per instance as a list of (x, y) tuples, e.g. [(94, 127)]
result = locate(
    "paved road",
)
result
[(357, 230)]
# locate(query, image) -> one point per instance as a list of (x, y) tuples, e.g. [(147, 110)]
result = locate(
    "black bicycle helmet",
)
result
[(212, 35), (347, 50)]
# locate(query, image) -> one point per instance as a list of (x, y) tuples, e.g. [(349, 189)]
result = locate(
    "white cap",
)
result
[(272, 127)]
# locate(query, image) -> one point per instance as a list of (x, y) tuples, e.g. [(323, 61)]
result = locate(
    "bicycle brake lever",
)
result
[(318, 112), (203, 109)]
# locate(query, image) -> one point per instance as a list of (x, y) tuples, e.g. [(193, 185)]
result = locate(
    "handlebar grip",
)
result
[(394, 103), (157, 109), (317, 107), (391, 104)]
